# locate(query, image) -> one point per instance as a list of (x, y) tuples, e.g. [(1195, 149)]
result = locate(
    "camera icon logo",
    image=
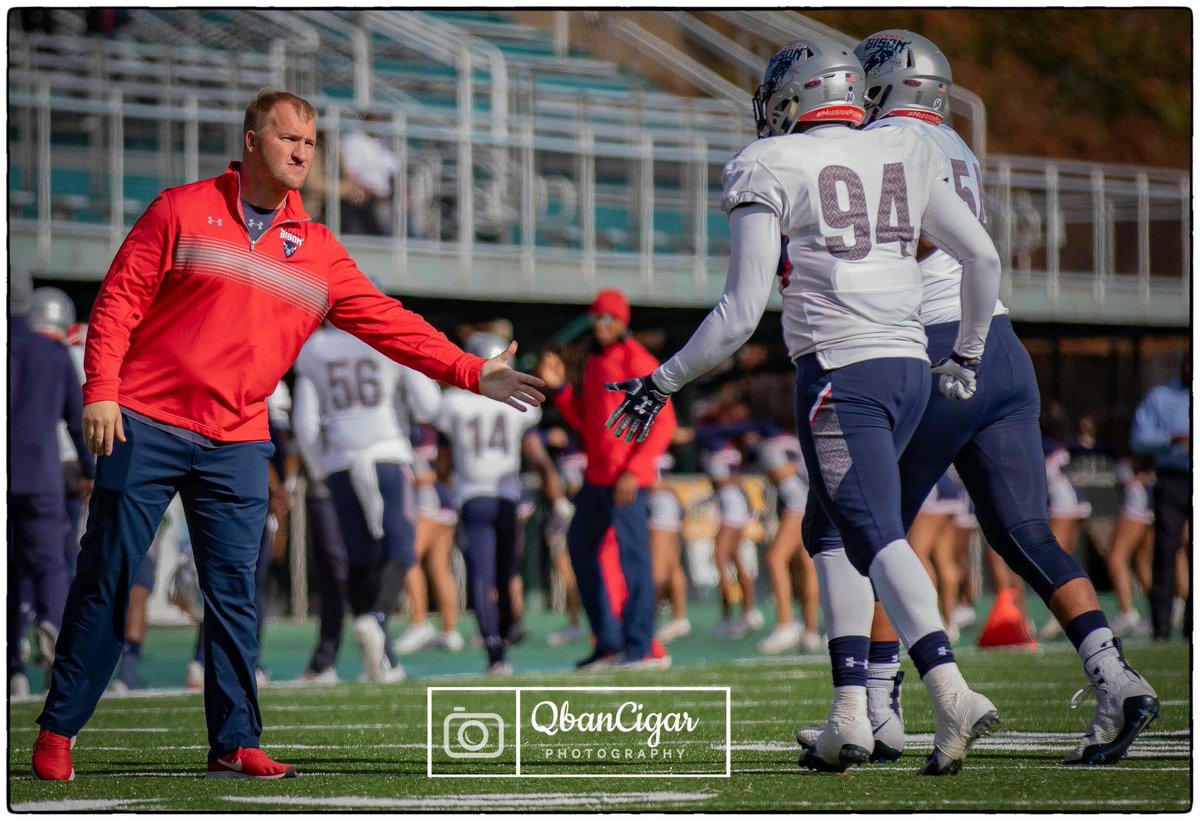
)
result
[(470, 735)]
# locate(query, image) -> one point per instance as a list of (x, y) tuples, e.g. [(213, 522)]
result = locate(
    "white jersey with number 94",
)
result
[(850, 204), (485, 436)]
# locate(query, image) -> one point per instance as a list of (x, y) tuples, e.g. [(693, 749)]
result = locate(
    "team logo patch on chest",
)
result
[(291, 242)]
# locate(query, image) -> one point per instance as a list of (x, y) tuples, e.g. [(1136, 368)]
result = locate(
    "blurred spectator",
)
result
[(43, 388), (107, 21), (1087, 441), (1161, 429), (616, 483), (369, 167)]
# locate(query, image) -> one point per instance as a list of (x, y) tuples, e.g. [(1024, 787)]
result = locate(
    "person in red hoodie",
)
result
[(204, 308), (615, 487)]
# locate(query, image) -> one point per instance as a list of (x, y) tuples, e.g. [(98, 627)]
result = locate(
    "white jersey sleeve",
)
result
[(753, 259), (485, 436), (940, 272), (419, 397), (952, 227), (306, 426)]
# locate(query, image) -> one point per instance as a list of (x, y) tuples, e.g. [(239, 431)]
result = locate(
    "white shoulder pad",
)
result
[(747, 180)]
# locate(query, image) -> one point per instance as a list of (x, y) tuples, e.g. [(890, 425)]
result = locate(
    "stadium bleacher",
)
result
[(544, 145)]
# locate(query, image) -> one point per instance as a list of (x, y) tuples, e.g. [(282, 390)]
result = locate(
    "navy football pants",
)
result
[(488, 533), (377, 566), (224, 491), (595, 512), (35, 559), (329, 559), (853, 422)]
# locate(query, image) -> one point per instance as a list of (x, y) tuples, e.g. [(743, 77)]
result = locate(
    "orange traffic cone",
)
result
[(1007, 625)]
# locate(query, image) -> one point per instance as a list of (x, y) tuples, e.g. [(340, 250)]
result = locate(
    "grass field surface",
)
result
[(367, 747)]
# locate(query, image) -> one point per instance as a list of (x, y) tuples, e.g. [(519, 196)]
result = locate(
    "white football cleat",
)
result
[(783, 639), (414, 638), (18, 685), (845, 740), (674, 629), (500, 668), (371, 636), (1125, 705), (886, 716), (327, 676), (962, 717)]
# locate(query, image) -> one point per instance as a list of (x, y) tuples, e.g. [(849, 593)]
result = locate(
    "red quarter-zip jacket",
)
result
[(195, 324), (587, 409)]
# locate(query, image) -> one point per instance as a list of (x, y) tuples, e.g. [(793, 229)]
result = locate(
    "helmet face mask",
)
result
[(814, 80), (906, 74)]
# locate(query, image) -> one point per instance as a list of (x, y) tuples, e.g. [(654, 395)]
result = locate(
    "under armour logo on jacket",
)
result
[(258, 224), (218, 221)]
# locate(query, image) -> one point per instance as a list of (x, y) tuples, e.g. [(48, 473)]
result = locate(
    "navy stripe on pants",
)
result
[(853, 422), (595, 512), (224, 494), (488, 528)]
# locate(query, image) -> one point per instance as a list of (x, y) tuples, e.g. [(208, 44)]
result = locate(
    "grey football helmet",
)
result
[(52, 312), (810, 80), (906, 74), (485, 345)]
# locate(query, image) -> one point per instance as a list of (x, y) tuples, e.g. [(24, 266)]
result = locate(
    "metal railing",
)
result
[(558, 210)]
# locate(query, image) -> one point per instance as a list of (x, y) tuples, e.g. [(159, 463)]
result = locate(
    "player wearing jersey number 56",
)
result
[(852, 205), (204, 308)]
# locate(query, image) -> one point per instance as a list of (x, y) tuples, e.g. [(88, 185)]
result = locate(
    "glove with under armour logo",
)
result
[(956, 376), (634, 416)]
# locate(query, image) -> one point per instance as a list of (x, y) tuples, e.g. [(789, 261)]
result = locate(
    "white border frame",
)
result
[(429, 691)]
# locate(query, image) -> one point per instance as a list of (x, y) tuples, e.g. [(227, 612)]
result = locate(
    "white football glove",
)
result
[(956, 377)]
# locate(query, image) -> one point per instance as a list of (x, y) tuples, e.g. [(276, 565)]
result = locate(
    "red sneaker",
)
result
[(249, 762), (52, 757)]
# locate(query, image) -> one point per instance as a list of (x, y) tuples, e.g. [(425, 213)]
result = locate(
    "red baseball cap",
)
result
[(611, 302)]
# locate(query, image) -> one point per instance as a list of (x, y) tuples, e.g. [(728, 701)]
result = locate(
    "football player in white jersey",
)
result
[(852, 204), (352, 405), (486, 442), (993, 441)]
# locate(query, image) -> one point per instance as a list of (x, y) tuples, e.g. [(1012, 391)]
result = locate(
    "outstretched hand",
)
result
[(641, 406), (499, 381)]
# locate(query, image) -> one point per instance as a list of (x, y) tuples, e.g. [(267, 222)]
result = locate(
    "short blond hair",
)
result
[(260, 108)]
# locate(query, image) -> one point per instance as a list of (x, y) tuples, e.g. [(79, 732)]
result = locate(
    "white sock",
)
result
[(906, 592), (846, 596)]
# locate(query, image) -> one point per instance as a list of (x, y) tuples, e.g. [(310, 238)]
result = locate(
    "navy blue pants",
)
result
[(35, 558), (262, 570), (329, 561), (994, 441), (224, 492), (390, 556), (853, 423), (488, 535), (595, 512)]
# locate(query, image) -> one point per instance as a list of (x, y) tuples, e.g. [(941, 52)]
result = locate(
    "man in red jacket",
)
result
[(615, 485), (203, 310)]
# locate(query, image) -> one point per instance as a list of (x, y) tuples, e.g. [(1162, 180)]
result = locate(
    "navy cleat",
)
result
[(1125, 706), (886, 716)]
